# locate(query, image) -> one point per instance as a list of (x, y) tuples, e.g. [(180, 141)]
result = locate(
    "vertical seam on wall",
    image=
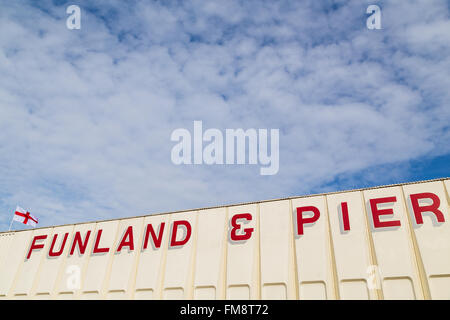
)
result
[(38, 271), (193, 259), (105, 283), (3, 243), (19, 269), (162, 266), (418, 263), (294, 249), (132, 281), (53, 293), (225, 258), (85, 264), (372, 253), (447, 194), (258, 254), (6, 251), (331, 255)]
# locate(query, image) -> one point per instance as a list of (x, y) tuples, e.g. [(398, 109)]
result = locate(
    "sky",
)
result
[(86, 115)]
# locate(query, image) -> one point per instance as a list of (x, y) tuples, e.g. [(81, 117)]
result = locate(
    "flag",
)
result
[(22, 215)]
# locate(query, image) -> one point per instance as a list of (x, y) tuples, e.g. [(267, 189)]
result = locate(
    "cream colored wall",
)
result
[(406, 262)]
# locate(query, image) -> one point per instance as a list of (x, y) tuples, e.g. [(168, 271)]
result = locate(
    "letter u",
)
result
[(61, 249)]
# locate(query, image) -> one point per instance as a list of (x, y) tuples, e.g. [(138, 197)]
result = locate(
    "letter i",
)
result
[(345, 222)]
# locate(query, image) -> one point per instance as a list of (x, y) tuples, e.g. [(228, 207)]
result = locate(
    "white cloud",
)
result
[(86, 115)]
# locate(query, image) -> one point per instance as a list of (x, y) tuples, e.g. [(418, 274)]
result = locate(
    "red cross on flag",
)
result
[(22, 215)]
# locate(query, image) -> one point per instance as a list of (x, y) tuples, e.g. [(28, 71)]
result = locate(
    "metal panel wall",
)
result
[(352, 266), (381, 243), (394, 245)]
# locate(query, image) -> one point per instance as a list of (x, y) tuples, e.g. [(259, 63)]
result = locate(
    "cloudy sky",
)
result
[(86, 115)]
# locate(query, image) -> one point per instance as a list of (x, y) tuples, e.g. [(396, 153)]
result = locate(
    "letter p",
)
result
[(301, 220)]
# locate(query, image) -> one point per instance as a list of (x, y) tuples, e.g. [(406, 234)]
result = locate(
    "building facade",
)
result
[(390, 242)]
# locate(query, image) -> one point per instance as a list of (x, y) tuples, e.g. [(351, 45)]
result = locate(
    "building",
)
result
[(379, 243)]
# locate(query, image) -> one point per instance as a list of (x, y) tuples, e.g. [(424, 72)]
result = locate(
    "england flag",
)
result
[(22, 215)]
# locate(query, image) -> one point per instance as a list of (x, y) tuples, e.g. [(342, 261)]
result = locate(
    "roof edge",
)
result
[(2, 233)]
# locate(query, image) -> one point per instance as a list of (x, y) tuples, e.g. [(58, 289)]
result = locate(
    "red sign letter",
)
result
[(173, 240), (345, 220), (129, 243), (376, 213), (434, 207), (36, 246), (247, 232), (302, 221), (77, 240), (61, 249), (97, 241), (156, 240)]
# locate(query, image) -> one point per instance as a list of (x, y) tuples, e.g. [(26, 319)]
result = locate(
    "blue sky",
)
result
[(86, 115)]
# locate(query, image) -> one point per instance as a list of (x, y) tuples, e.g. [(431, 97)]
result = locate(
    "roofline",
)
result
[(233, 205)]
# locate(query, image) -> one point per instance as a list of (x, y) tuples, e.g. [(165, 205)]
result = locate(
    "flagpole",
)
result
[(12, 220)]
